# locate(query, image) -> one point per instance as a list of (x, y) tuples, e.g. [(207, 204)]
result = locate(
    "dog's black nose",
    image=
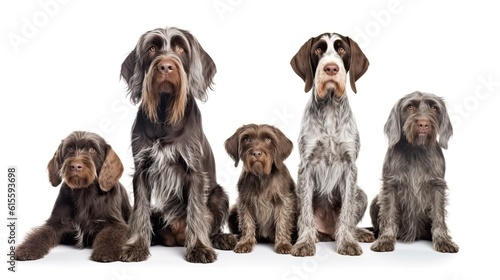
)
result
[(165, 67), (256, 154), (76, 166), (331, 69)]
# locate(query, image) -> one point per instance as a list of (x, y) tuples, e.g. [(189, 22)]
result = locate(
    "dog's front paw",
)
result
[(224, 241), (25, 253), (383, 245), (244, 247), (134, 253), (304, 249), (283, 248), (349, 249), (201, 254), (445, 246)]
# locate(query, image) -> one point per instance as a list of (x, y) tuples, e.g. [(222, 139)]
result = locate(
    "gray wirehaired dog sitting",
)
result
[(411, 203)]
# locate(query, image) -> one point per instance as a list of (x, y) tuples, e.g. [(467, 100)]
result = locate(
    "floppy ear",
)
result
[(233, 148), (202, 69), (392, 127), (54, 167), (128, 66), (301, 64), (359, 63), (111, 171), (132, 73), (445, 127), (284, 148)]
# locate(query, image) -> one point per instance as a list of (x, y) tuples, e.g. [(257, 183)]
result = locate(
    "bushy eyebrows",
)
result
[(412, 102), (151, 40), (179, 40)]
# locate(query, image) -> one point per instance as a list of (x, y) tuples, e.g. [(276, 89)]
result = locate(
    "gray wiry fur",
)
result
[(177, 201), (411, 203), (330, 202)]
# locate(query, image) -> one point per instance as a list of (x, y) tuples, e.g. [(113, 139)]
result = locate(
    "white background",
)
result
[(60, 69)]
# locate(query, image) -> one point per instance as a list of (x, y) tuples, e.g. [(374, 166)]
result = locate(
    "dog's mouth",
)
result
[(258, 167), (330, 88), (421, 138), (76, 181)]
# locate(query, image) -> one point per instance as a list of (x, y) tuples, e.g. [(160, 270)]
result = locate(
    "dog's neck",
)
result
[(190, 123), (329, 106), (418, 150)]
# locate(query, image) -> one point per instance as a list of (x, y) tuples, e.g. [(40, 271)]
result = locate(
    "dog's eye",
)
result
[(152, 49), (91, 150), (318, 51), (434, 108), (410, 108), (246, 139), (341, 51), (267, 140)]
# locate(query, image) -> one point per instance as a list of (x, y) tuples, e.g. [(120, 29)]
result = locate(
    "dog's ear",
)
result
[(131, 72), (392, 127), (202, 69), (128, 66), (111, 170), (54, 167), (283, 149), (358, 64), (445, 127), (301, 64), (232, 145)]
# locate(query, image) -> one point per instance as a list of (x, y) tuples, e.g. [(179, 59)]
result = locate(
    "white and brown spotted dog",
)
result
[(330, 202)]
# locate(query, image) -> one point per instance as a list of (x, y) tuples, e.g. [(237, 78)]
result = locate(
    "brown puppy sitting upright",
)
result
[(266, 205), (92, 208)]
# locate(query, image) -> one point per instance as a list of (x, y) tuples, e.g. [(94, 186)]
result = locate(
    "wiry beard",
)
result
[(156, 84)]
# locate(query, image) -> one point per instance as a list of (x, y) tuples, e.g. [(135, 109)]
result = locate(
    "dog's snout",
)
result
[(76, 166), (256, 153), (166, 67), (331, 69), (423, 124)]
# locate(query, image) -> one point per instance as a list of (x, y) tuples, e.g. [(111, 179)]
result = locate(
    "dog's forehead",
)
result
[(83, 139), (331, 38), (163, 34), (419, 97)]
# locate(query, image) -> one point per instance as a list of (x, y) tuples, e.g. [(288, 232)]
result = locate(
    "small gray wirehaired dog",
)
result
[(411, 203)]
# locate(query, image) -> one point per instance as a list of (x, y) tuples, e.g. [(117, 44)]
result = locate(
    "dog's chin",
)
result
[(165, 87), (330, 88), (259, 169), (78, 182), (421, 139)]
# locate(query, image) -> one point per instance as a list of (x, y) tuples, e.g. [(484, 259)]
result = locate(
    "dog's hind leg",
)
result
[(362, 234)]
